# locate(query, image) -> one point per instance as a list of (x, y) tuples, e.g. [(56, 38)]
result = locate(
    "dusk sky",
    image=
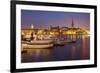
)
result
[(43, 19)]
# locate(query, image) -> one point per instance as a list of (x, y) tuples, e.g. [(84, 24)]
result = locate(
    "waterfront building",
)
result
[(53, 31)]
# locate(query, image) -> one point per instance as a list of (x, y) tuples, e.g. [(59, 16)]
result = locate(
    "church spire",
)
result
[(72, 23)]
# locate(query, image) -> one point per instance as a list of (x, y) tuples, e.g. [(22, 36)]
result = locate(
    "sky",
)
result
[(45, 19)]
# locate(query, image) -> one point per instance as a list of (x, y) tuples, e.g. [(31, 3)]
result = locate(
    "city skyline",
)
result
[(45, 19)]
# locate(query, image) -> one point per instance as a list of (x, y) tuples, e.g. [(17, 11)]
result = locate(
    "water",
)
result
[(80, 50)]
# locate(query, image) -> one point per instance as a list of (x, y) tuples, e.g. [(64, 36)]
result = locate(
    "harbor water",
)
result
[(79, 50)]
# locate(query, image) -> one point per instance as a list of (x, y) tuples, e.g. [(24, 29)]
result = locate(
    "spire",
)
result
[(72, 23)]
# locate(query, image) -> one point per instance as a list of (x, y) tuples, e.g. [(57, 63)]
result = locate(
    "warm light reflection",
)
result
[(37, 53), (85, 49), (80, 50)]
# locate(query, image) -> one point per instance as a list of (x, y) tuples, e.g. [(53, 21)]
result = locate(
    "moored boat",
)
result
[(63, 42), (38, 44), (27, 46)]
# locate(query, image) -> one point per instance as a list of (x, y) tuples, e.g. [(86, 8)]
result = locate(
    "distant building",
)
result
[(54, 30)]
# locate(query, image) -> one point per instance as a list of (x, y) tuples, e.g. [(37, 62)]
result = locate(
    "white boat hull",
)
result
[(27, 46), (40, 42)]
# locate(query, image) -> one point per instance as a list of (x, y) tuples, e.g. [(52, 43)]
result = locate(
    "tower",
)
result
[(72, 25), (32, 26)]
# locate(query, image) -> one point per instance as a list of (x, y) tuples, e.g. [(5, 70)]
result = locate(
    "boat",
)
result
[(38, 44), (63, 42), (27, 46), (59, 43)]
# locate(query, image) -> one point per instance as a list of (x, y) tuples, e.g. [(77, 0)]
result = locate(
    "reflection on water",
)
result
[(80, 50)]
